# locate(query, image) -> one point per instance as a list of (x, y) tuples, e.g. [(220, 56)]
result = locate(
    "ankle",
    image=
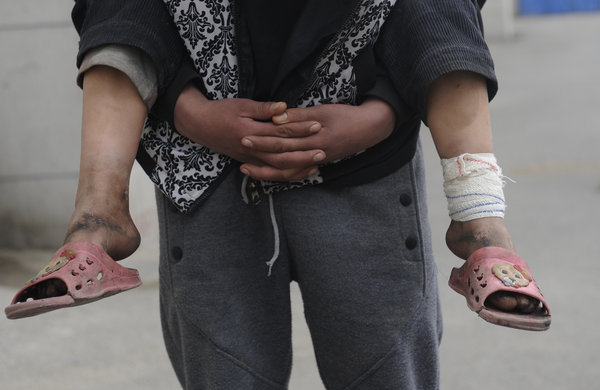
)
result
[(108, 193), (114, 232), (464, 238)]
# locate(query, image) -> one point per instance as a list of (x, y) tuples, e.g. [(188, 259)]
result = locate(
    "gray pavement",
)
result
[(547, 135)]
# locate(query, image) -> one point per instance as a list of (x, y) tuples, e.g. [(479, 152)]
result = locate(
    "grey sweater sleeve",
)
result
[(142, 24), (136, 64)]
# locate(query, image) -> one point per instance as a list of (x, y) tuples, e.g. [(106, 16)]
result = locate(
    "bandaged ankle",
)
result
[(473, 186)]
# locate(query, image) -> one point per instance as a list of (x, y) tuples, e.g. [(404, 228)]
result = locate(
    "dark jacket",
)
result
[(420, 41)]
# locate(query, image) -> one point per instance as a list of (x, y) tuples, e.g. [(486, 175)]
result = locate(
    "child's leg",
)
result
[(459, 120), (113, 117)]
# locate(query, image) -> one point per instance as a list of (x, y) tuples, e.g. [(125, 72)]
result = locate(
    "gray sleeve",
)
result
[(132, 61)]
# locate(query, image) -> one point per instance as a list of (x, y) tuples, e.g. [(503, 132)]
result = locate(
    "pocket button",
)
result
[(405, 200), (411, 242), (176, 253)]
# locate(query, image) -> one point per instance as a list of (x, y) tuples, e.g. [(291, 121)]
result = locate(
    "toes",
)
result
[(512, 302), (504, 301), (526, 304), (53, 288)]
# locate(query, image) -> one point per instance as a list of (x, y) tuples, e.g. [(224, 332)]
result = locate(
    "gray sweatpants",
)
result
[(361, 256)]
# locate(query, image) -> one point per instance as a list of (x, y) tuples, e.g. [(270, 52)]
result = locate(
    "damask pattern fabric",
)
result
[(184, 170)]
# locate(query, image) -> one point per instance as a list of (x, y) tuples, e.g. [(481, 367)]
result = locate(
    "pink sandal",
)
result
[(82, 273), (491, 269)]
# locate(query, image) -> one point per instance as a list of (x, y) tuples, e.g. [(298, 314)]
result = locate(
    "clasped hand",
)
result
[(280, 144)]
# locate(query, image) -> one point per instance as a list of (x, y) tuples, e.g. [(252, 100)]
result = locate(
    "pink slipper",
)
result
[(491, 269), (82, 273)]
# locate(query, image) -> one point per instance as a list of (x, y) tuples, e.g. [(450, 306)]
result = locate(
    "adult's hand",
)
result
[(222, 124), (345, 130)]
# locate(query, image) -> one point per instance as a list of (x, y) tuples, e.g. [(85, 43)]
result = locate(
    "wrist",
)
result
[(187, 111), (380, 116)]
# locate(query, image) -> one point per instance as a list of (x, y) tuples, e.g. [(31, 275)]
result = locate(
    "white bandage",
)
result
[(473, 186)]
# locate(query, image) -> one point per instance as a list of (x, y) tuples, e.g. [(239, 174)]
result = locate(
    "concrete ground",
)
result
[(547, 138)]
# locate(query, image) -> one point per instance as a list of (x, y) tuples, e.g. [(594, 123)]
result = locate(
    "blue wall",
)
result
[(528, 7)]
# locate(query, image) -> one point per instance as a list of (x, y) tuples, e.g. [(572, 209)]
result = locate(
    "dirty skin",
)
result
[(92, 223), (89, 224), (463, 241)]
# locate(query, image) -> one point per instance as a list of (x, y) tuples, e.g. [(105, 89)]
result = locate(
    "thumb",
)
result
[(295, 115), (266, 110)]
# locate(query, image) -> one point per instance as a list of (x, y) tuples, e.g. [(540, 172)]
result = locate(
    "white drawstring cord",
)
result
[(244, 185), (245, 198), (275, 235)]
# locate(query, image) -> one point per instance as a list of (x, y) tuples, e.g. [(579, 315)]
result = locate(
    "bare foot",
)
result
[(102, 217), (115, 233), (464, 238)]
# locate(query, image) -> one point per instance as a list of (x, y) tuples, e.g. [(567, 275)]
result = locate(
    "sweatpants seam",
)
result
[(375, 367), (167, 241), (229, 356), (421, 246)]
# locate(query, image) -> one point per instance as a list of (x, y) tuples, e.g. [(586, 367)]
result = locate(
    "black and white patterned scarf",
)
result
[(184, 170)]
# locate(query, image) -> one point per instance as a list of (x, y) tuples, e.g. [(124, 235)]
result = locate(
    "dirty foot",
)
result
[(464, 238), (115, 233), (101, 217), (84, 270)]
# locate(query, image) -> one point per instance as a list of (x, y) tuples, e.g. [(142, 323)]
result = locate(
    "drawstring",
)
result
[(244, 186), (254, 199), (275, 235)]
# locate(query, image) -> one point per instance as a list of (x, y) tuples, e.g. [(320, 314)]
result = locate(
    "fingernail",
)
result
[(247, 142), (315, 127), (318, 157), (245, 171), (277, 106), (313, 171), (281, 118)]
